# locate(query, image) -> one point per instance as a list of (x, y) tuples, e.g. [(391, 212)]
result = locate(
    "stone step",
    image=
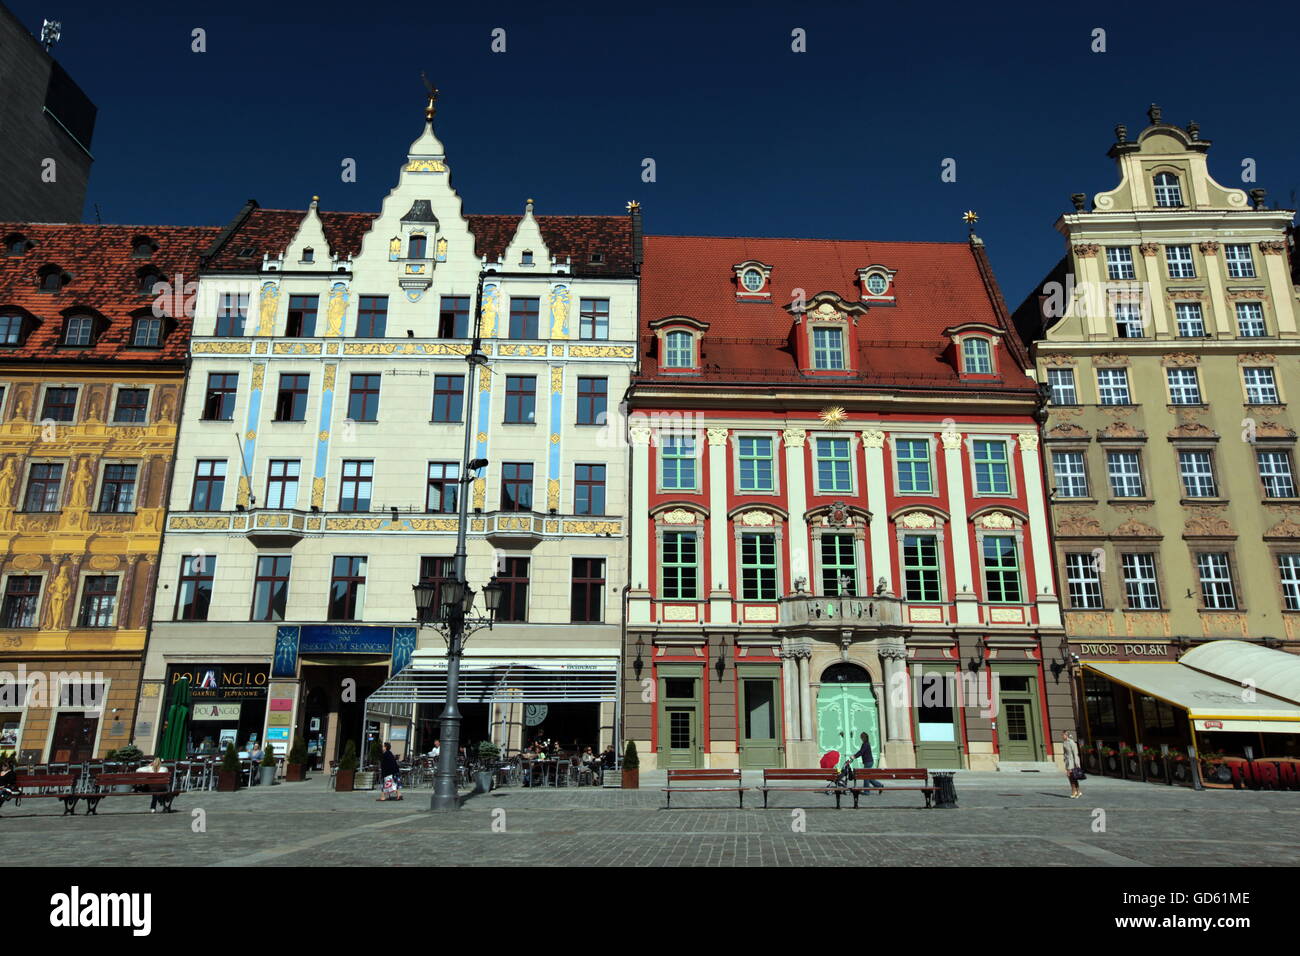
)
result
[(1027, 766)]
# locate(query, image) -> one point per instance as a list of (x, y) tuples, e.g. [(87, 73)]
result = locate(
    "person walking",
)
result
[(868, 759), (388, 767), (1073, 769)]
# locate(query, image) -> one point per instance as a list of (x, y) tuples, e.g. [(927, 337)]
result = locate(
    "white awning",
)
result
[(529, 678)]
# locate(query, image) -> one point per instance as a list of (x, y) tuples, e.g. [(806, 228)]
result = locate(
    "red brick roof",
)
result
[(575, 237), (105, 279), (938, 285)]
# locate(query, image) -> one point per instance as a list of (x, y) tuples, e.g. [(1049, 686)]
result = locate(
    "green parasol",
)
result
[(175, 730)]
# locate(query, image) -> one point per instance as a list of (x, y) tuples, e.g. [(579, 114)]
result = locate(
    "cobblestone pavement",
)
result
[(1001, 820)]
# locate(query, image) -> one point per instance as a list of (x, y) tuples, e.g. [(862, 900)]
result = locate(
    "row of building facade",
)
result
[(746, 498)]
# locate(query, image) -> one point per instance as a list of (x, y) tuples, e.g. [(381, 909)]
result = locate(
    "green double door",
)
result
[(844, 713)]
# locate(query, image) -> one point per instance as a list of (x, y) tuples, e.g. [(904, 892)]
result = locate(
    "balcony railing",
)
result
[(838, 612)]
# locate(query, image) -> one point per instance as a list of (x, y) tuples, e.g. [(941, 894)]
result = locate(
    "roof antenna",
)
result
[(99, 220), (51, 31)]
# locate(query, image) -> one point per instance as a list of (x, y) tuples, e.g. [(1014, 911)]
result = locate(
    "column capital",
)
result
[(951, 440), (1028, 441), (639, 434), (873, 438), (794, 437), (717, 436)]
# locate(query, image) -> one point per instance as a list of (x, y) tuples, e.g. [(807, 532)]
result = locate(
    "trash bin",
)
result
[(946, 796)]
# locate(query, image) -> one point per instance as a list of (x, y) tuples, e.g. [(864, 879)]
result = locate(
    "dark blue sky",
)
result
[(749, 138)]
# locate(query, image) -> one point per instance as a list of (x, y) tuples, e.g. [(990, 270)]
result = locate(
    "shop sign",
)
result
[(207, 711), (1121, 650), (221, 681), (279, 718)]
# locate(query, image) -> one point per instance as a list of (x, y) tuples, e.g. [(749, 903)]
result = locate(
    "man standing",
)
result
[(868, 759)]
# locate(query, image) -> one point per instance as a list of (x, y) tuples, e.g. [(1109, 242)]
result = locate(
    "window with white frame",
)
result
[(1112, 386), (977, 357), (679, 349), (1178, 259), (1128, 320), (922, 572), (1275, 473), (992, 467), (839, 564), (677, 462), (758, 566), (1191, 321), (1288, 566), (1196, 470), (1184, 386), (98, 601), (828, 348), (1215, 573), (1250, 319), (1001, 569), (1141, 590), (1119, 263), (912, 456), (1239, 262), (755, 463), (1125, 471), (1261, 388), (1061, 383), (679, 564), (1070, 474), (1168, 192), (1083, 580), (834, 465)]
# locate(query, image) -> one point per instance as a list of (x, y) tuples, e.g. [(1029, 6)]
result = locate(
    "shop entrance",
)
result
[(760, 735), (1020, 731), (679, 742), (846, 708), (74, 738), (572, 726)]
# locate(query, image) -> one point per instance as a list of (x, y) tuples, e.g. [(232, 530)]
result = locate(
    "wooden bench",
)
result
[(815, 780), (704, 776), (60, 786), (158, 785), (920, 776)]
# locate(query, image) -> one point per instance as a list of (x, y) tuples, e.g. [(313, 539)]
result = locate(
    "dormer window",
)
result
[(876, 281), (828, 349), (11, 329), (679, 342), (142, 247), (1168, 191), (597, 258), (752, 280), (147, 332), (309, 255), (148, 278), (877, 284), (526, 259), (975, 345), (52, 278), (79, 330), (977, 356), (15, 244), (415, 247), (679, 349)]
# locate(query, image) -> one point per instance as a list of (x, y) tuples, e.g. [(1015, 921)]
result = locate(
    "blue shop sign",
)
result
[(292, 641)]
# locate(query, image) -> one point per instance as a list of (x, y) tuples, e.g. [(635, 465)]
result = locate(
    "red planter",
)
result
[(344, 779), (295, 771), (631, 779), (227, 781)]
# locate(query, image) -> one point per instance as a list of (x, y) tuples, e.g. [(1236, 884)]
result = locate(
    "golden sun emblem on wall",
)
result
[(834, 416)]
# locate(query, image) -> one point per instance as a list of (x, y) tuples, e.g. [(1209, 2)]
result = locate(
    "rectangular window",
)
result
[(1112, 386), (219, 400), (513, 578), (453, 317), (60, 404), (148, 332), (756, 464), (921, 567), (195, 592), (302, 317), (1125, 470), (977, 358), (521, 399), (679, 350), (1250, 319), (1275, 474), (1001, 570), (372, 317), (1070, 473), (44, 482), (913, 457), (517, 486), (1083, 580), (828, 348), (758, 566), (443, 487), (1261, 389), (132, 405), (415, 246), (355, 488), (593, 401), (1128, 320), (271, 587), (22, 600), (523, 318), (363, 399), (1184, 387), (834, 465), (98, 601), (839, 564), (593, 319), (232, 313), (680, 566), (1119, 263), (992, 468), (1215, 573), (589, 489), (1140, 588), (587, 591), (117, 493), (448, 397), (1196, 469), (291, 398), (1179, 261), (209, 485), (677, 462), (1191, 321), (282, 483), (1240, 264), (437, 571), (79, 330), (1061, 383), (1288, 566), (347, 588)]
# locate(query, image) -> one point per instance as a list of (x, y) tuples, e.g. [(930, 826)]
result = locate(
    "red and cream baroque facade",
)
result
[(835, 461)]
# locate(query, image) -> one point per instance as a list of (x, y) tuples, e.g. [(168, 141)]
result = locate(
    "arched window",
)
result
[(15, 244), (1168, 190), (977, 358), (679, 350), (11, 329), (142, 247), (51, 279), (844, 673), (148, 279), (79, 330)]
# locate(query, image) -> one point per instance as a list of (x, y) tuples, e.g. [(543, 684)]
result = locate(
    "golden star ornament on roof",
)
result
[(833, 416), (970, 217)]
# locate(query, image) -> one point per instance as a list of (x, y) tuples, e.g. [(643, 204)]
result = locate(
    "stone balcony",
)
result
[(811, 612)]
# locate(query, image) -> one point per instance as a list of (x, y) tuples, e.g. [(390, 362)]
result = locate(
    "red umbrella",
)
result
[(830, 760)]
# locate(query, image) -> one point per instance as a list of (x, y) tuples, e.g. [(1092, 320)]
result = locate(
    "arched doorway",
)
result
[(846, 708)]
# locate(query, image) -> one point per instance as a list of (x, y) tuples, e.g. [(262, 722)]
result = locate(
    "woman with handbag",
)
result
[(1073, 769)]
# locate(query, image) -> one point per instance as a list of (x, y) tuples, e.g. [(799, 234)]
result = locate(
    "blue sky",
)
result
[(845, 140)]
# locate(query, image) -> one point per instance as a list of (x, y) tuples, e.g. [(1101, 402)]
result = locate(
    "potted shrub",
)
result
[(228, 775), (488, 753), (631, 767), (1132, 763), (129, 756), (296, 767), (1214, 771), (347, 773), (1091, 759), (1153, 762), (1110, 761), (1181, 768), (267, 769)]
